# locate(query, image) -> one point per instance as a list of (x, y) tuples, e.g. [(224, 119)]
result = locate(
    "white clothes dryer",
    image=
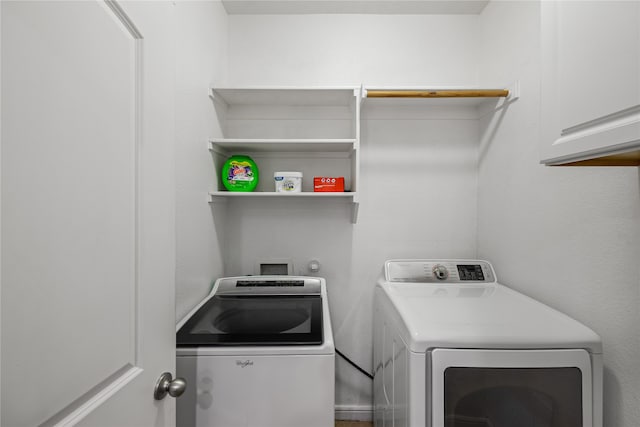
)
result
[(454, 348), (258, 351)]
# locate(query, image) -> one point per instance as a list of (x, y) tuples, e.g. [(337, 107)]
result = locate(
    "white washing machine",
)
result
[(258, 351), (454, 348)]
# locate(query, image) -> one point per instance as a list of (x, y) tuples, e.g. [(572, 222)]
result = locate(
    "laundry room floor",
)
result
[(353, 423)]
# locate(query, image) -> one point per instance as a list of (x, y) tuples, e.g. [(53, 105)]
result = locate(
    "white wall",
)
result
[(327, 50), (201, 50), (418, 176), (569, 237)]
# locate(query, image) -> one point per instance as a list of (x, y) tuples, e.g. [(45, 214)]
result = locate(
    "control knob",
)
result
[(440, 271)]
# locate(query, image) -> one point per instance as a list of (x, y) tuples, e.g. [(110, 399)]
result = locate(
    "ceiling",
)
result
[(393, 7)]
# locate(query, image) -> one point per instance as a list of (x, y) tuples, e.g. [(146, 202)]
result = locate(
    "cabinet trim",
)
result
[(612, 138), (619, 118)]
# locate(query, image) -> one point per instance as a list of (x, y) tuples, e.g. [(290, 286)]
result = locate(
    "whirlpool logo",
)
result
[(244, 363)]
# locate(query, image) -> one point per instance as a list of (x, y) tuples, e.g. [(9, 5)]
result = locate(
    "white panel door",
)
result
[(87, 212)]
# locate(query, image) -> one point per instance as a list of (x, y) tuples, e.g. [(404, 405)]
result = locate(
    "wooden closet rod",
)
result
[(461, 93)]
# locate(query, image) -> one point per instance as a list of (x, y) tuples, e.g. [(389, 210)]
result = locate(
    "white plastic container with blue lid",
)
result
[(288, 182)]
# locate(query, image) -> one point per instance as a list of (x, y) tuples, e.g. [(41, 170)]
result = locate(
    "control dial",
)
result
[(440, 272)]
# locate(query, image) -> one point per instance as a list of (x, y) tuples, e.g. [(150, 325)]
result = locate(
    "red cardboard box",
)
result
[(328, 184)]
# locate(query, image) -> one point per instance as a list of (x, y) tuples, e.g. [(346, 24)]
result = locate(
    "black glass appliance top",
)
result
[(239, 320)]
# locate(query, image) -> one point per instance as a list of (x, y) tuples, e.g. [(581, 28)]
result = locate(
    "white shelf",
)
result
[(228, 145), (314, 130), (227, 195), (260, 194), (301, 96)]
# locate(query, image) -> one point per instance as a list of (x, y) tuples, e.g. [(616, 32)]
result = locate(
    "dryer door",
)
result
[(505, 388)]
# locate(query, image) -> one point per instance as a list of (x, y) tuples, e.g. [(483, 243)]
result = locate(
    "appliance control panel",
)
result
[(439, 271), (268, 285)]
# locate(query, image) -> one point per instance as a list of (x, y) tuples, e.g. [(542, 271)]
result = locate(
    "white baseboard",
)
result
[(354, 412)]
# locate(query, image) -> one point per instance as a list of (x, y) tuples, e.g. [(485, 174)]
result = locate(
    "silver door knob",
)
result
[(167, 385)]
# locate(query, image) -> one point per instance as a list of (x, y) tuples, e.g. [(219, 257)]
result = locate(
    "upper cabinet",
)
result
[(590, 83)]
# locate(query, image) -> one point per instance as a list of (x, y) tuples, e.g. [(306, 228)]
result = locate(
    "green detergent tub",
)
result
[(240, 173)]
